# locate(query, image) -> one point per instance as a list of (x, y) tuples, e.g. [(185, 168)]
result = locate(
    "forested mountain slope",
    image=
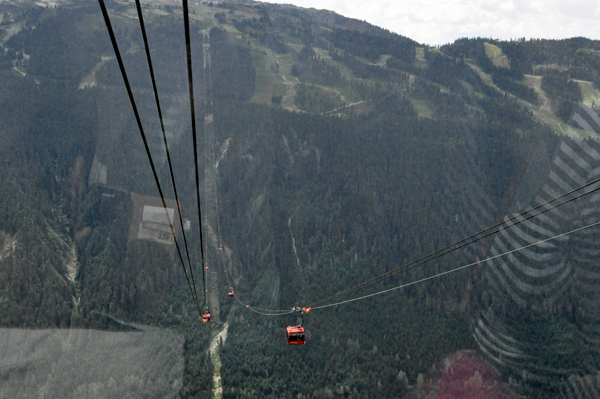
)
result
[(330, 152)]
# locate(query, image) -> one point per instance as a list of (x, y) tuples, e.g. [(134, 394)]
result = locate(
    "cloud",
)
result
[(439, 22), (579, 8)]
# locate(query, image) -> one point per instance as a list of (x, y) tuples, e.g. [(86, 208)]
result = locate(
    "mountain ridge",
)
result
[(340, 152)]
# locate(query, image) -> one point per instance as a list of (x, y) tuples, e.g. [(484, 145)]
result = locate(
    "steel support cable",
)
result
[(145, 141), (519, 218), (206, 144), (270, 314), (265, 312), (208, 110), (209, 147), (208, 139), (457, 269), (209, 133), (258, 310), (188, 49), (438, 274), (164, 135), (449, 248)]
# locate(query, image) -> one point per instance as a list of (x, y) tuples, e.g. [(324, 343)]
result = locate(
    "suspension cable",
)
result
[(210, 169), (305, 310), (209, 154), (510, 222), (209, 134), (164, 135), (457, 269), (145, 141), (269, 313), (208, 145), (519, 218), (186, 23)]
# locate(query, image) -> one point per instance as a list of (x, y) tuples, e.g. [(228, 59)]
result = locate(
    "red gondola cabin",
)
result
[(206, 317), (295, 335), (231, 295)]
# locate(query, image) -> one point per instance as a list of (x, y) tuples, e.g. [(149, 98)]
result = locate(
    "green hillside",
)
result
[(330, 153)]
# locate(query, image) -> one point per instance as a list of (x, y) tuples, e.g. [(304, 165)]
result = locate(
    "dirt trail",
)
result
[(90, 79), (544, 113), (13, 30), (287, 101), (294, 242), (216, 360), (536, 85), (344, 107)]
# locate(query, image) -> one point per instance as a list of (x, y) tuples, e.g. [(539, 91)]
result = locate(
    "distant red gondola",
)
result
[(231, 295), (295, 335), (206, 317), (206, 268)]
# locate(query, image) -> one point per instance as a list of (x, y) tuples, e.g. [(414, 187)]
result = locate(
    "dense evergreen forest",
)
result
[(341, 152)]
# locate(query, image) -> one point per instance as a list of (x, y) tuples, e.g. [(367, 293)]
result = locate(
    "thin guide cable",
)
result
[(464, 242), (458, 268)]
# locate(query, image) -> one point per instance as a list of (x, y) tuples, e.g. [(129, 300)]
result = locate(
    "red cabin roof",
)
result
[(295, 335)]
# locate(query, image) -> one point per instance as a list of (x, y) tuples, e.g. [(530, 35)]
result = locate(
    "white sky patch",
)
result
[(439, 22)]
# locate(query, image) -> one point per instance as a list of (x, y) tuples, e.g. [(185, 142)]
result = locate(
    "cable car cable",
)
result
[(440, 253), (209, 134), (209, 143), (145, 141), (209, 128), (270, 314), (423, 260), (438, 274), (462, 243), (186, 23), (209, 148), (457, 269), (164, 135)]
